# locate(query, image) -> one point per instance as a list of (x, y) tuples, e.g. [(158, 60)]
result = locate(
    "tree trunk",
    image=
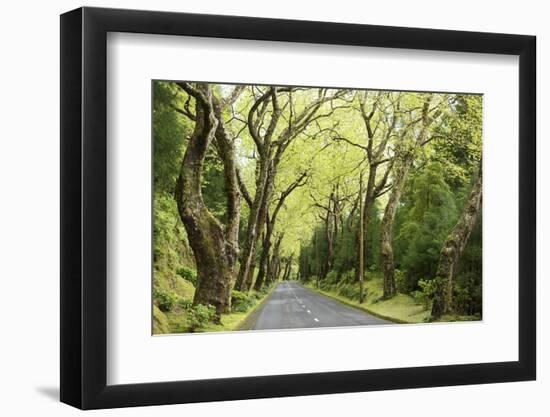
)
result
[(260, 223), (330, 245), (274, 266), (386, 239), (361, 240), (264, 257), (249, 245), (214, 245), (264, 271), (452, 251), (288, 268), (270, 155), (368, 203)]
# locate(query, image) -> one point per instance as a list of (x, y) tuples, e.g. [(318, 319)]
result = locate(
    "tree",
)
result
[(408, 154), (215, 245), (270, 226), (271, 142), (361, 240), (331, 216), (275, 262), (453, 248), (427, 213), (333, 186), (380, 112)]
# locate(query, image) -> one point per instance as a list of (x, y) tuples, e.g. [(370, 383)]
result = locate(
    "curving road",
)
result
[(292, 306)]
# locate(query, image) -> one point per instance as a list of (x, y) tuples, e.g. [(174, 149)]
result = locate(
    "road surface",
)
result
[(292, 306)]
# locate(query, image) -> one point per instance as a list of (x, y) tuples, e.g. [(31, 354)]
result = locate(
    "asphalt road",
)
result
[(292, 306)]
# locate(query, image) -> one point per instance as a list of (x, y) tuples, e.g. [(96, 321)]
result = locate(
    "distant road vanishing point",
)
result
[(292, 306)]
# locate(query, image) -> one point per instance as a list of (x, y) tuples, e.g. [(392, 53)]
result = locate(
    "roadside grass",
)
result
[(400, 309), (228, 322), (234, 321), (177, 320)]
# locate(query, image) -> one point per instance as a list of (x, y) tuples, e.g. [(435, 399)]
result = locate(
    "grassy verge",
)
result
[(399, 309), (237, 321), (177, 320)]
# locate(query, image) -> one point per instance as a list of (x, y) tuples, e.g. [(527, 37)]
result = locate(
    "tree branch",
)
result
[(242, 187)]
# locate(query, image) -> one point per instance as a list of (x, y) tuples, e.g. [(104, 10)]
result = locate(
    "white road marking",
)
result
[(315, 318), (309, 312)]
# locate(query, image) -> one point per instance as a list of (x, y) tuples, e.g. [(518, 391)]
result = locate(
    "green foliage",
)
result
[(188, 274), (171, 251), (401, 308), (401, 282), (348, 277), (170, 131), (184, 303), (458, 145), (346, 246), (426, 217), (349, 291), (264, 290), (426, 293), (331, 278), (198, 316), (467, 296), (241, 301), (165, 300)]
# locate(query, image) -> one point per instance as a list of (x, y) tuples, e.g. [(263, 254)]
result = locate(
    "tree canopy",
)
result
[(254, 184)]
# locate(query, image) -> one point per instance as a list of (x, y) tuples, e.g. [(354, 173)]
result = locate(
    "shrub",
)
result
[(331, 278), (401, 282), (348, 276), (349, 291), (165, 300), (184, 303), (325, 285), (426, 294), (198, 316), (241, 302), (188, 274), (264, 290)]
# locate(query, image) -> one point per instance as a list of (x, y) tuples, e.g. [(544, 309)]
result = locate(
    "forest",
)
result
[(269, 195)]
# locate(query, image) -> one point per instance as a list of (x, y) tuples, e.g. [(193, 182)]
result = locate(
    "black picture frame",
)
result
[(84, 207)]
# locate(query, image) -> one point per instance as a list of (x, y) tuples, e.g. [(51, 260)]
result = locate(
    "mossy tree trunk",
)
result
[(453, 248), (398, 183), (215, 245), (263, 146), (386, 230), (361, 241)]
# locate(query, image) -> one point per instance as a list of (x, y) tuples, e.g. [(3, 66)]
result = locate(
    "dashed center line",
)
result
[(301, 303)]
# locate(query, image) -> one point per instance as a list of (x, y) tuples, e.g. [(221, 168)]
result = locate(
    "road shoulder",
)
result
[(349, 303), (250, 320)]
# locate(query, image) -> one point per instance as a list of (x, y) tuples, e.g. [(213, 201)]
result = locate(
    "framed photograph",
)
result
[(256, 208)]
